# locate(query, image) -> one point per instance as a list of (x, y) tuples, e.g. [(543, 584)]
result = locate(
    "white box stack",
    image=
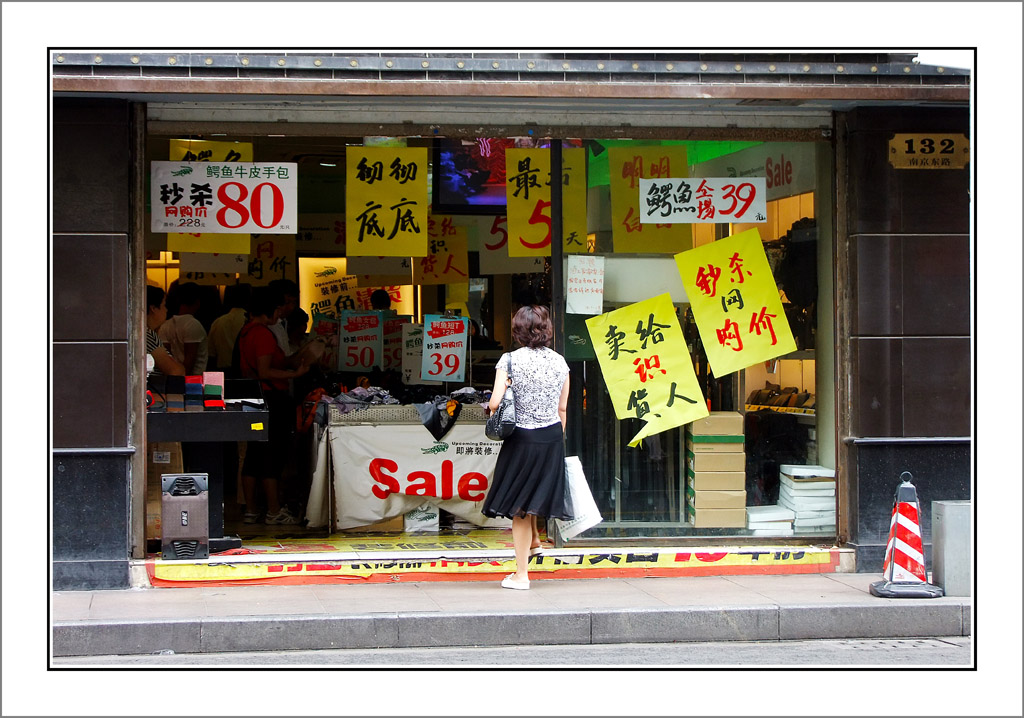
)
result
[(810, 492), (770, 520)]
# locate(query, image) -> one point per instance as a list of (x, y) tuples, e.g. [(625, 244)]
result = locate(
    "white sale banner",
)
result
[(382, 474), (683, 200), (224, 197)]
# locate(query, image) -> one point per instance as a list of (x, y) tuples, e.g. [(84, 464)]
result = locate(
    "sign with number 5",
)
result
[(444, 347), (224, 197)]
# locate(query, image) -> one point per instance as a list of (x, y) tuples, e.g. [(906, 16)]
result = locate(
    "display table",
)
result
[(205, 432), (383, 463)]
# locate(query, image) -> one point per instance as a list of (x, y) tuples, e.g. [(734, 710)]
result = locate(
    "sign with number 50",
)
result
[(444, 347), (224, 197)]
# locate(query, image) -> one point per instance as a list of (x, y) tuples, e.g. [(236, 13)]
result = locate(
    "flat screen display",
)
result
[(469, 175)]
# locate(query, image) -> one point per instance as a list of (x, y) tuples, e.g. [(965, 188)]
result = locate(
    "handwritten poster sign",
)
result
[(584, 291), (225, 264), (489, 235), (703, 200), (412, 355), (444, 347), (627, 166), (361, 341), (646, 366), (528, 199), (735, 302), (447, 258), (210, 151), (271, 257), (224, 197), (386, 202), (209, 243)]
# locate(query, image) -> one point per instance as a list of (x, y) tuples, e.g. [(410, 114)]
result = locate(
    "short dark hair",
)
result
[(380, 299), (154, 296), (265, 301), (531, 326), (287, 287), (237, 295)]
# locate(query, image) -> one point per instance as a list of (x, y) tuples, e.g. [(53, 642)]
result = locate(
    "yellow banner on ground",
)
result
[(627, 165), (447, 259), (528, 200), (735, 302), (207, 243), (209, 151), (646, 365), (386, 202)]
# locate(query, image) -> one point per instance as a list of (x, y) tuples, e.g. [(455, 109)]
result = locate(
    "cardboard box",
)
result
[(717, 480), (395, 523), (716, 499), (162, 457), (717, 518), (718, 422), (715, 443), (712, 461)]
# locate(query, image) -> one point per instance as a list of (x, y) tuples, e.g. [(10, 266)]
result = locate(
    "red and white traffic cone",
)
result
[(903, 574)]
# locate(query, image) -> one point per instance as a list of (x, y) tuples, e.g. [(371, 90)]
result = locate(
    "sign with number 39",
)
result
[(444, 347)]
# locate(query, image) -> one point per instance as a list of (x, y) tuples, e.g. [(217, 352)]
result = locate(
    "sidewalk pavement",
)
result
[(481, 613)]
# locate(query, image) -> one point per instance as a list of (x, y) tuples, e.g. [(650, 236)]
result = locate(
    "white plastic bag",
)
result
[(577, 491)]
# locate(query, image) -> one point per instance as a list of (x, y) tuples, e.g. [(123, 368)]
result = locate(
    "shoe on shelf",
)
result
[(250, 518), (282, 517), (511, 582)]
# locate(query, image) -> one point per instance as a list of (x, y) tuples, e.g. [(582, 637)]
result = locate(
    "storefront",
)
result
[(804, 446)]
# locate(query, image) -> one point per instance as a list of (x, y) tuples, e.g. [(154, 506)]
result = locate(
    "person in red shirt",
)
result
[(260, 357)]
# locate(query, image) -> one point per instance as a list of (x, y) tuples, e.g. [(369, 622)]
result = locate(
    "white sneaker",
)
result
[(284, 516)]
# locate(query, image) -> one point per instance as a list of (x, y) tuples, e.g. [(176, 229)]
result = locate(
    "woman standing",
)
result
[(260, 357), (156, 315), (529, 477)]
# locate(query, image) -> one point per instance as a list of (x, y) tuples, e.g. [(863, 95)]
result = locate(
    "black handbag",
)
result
[(502, 421)]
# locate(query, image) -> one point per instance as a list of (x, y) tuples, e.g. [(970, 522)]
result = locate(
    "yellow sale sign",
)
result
[(528, 199), (209, 243), (447, 260), (210, 151), (627, 166), (646, 366), (735, 302), (386, 202)]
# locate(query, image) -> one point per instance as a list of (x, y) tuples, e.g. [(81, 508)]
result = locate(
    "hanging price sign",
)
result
[(224, 197), (702, 200), (361, 341), (444, 347)]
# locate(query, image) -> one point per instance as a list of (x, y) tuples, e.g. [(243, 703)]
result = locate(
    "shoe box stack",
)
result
[(770, 520), (213, 390), (810, 492), (716, 471)]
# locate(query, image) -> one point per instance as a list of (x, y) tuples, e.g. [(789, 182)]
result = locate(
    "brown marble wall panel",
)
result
[(877, 285), (877, 391), (91, 166), (90, 395), (90, 287), (890, 201), (937, 386), (936, 285)]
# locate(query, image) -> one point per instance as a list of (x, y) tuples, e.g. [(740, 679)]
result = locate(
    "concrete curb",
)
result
[(891, 619)]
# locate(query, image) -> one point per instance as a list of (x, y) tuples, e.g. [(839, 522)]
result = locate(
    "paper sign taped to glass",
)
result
[(646, 366), (735, 302)]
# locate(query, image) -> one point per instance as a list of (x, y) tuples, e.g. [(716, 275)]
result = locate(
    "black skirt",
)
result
[(529, 476)]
